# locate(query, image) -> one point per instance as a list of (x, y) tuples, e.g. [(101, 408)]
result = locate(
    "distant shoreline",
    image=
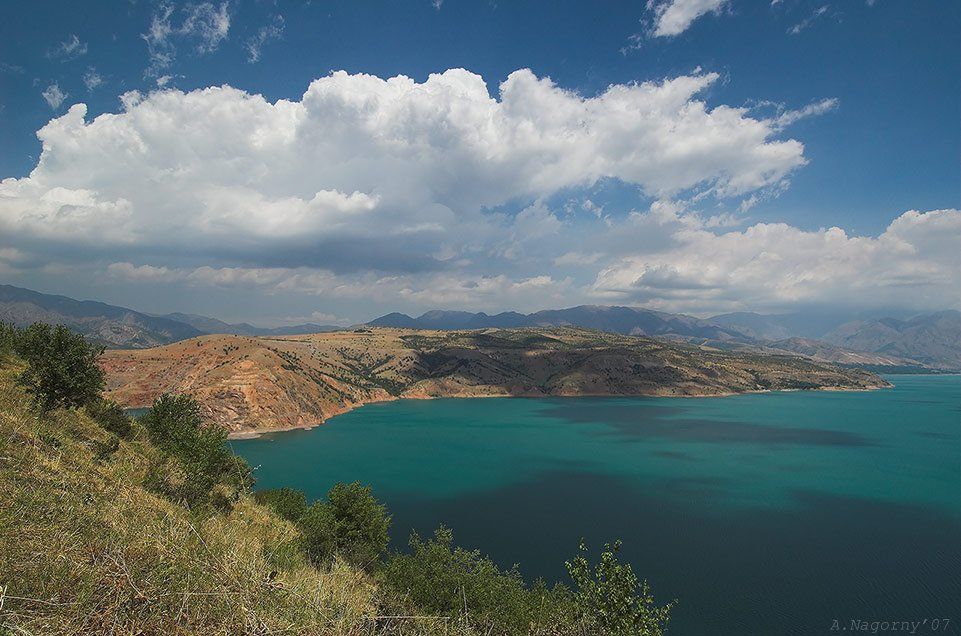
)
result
[(255, 433), (254, 385)]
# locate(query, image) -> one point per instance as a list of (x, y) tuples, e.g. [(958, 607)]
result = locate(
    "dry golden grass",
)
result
[(85, 549)]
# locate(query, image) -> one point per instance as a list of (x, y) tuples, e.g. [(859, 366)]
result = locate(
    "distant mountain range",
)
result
[(100, 322), (623, 320), (930, 340), (212, 325), (119, 327)]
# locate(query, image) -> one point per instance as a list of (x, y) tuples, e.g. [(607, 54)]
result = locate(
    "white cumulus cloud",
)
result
[(914, 263), (359, 156), (440, 193)]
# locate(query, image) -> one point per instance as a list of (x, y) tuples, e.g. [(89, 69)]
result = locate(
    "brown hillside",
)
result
[(257, 384)]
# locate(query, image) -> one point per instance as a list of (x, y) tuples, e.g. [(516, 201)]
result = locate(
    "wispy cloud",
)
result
[(203, 24), (209, 25), (788, 117), (274, 30), (54, 96), (92, 79), (635, 42), (806, 22), (673, 17), (160, 51), (12, 69), (69, 49)]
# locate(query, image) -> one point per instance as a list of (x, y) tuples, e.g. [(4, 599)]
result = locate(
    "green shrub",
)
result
[(237, 473), (552, 609), (351, 524), (105, 449), (445, 580), (9, 337), (62, 370), (195, 456), (222, 500), (111, 416), (289, 503), (609, 600)]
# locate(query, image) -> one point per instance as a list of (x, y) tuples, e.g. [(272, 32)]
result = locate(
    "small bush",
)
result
[(222, 501), (351, 524), (445, 580), (111, 416), (62, 370), (610, 601), (9, 337), (195, 456), (237, 473), (289, 503), (107, 448)]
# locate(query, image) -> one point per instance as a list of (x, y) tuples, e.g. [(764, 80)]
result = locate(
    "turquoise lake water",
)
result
[(761, 514)]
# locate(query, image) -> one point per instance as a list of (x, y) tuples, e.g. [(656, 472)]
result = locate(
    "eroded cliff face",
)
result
[(258, 384)]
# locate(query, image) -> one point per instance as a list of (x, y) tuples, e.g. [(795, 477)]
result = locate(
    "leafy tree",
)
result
[(289, 503), (443, 579), (351, 524), (196, 456), (610, 601), (110, 416), (62, 370)]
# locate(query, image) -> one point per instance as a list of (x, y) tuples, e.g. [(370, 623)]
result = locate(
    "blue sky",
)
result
[(880, 138)]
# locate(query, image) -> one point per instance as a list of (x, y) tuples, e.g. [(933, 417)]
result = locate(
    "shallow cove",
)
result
[(762, 514)]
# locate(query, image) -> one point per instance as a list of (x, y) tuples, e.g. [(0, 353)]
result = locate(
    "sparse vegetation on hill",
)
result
[(115, 526), (255, 384)]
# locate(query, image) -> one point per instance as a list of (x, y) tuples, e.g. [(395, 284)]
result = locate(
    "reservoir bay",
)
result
[(761, 514)]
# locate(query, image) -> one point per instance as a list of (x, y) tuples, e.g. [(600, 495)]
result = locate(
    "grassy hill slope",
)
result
[(85, 549)]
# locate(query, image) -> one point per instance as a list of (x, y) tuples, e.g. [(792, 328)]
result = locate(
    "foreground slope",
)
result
[(256, 384), (85, 549)]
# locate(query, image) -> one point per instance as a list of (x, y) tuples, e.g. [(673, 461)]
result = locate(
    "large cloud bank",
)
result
[(914, 264), (401, 191)]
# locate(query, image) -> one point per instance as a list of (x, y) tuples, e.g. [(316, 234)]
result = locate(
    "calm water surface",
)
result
[(761, 514)]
